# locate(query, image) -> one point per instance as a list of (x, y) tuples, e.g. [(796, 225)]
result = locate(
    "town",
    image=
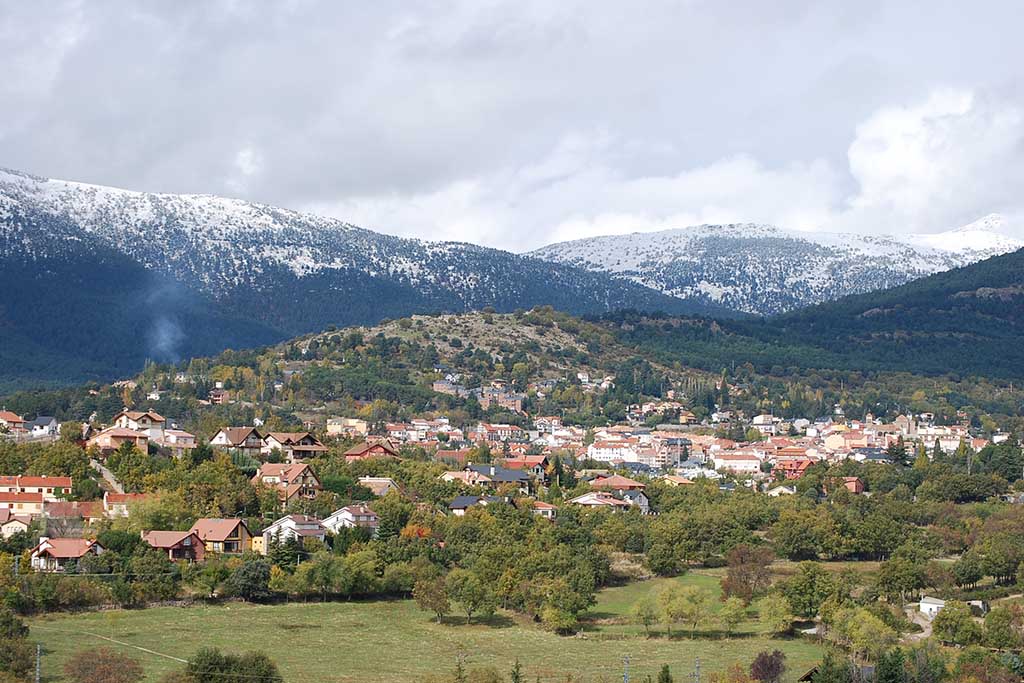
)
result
[(664, 484)]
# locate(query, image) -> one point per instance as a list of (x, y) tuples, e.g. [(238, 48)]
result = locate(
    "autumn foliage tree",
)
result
[(748, 574)]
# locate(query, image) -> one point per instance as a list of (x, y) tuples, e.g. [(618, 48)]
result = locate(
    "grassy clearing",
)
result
[(395, 642)]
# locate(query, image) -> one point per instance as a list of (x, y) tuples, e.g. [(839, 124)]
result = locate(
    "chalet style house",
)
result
[(228, 536), (292, 445), (244, 440), (378, 448), (291, 480)]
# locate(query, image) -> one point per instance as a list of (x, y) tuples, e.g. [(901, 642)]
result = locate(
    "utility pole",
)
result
[(39, 660), (696, 672), (625, 669)]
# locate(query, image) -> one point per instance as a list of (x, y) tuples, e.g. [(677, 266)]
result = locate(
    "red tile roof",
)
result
[(216, 529), (65, 548)]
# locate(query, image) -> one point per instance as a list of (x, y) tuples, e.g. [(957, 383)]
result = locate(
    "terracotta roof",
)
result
[(65, 548), (541, 505), (8, 416), (20, 497), (616, 481), (7, 516), (363, 448), (122, 431), (287, 471), (215, 529), (166, 539), (123, 498), (92, 509), (21, 480)]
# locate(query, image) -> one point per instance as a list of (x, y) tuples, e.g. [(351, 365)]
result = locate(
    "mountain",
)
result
[(968, 321), (764, 270), (98, 279)]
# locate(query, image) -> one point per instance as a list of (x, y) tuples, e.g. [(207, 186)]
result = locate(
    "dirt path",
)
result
[(919, 619)]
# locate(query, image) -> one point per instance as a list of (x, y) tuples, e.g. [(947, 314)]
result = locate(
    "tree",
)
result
[(102, 665), (810, 587), (430, 594), (466, 589), (686, 604), (967, 570), (16, 654), (768, 667), (516, 675), (209, 665), (954, 624), (775, 614), (733, 612), (833, 670), (1001, 629), (645, 612), (250, 581), (900, 577), (748, 574), (892, 667)]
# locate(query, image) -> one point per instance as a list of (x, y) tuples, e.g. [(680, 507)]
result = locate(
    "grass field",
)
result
[(395, 642)]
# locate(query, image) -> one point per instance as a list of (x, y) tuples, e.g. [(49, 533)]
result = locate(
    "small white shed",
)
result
[(929, 607)]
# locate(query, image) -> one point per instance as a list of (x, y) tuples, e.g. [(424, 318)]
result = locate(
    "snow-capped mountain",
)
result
[(764, 269), (183, 275)]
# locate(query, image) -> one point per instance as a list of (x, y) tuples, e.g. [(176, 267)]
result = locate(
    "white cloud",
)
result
[(939, 163), (516, 124), (921, 167)]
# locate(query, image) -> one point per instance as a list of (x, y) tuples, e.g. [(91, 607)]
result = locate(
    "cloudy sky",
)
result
[(516, 124)]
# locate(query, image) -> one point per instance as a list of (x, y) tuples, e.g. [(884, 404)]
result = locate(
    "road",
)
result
[(108, 476)]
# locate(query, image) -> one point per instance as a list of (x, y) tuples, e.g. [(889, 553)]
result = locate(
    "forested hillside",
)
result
[(966, 321)]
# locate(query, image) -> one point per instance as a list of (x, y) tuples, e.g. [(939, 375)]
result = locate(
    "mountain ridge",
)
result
[(763, 269), (160, 276)]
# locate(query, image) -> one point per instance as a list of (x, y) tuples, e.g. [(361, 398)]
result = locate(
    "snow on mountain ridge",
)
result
[(765, 269)]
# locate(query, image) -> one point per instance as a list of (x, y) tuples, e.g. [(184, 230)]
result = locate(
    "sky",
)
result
[(518, 124)]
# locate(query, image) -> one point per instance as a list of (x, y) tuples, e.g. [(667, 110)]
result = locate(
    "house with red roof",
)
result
[(229, 536), (542, 509), (112, 438), (11, 422), (30, 504), (61, 554), (292, 445), (793, 468), (616, 482), (291, 480), (11, 523), (52, 488), (116, 504), (179, 545), (148, 421), (375, 448)]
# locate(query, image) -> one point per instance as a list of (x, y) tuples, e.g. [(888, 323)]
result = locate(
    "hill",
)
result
[(98, 279), (766, 270)]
